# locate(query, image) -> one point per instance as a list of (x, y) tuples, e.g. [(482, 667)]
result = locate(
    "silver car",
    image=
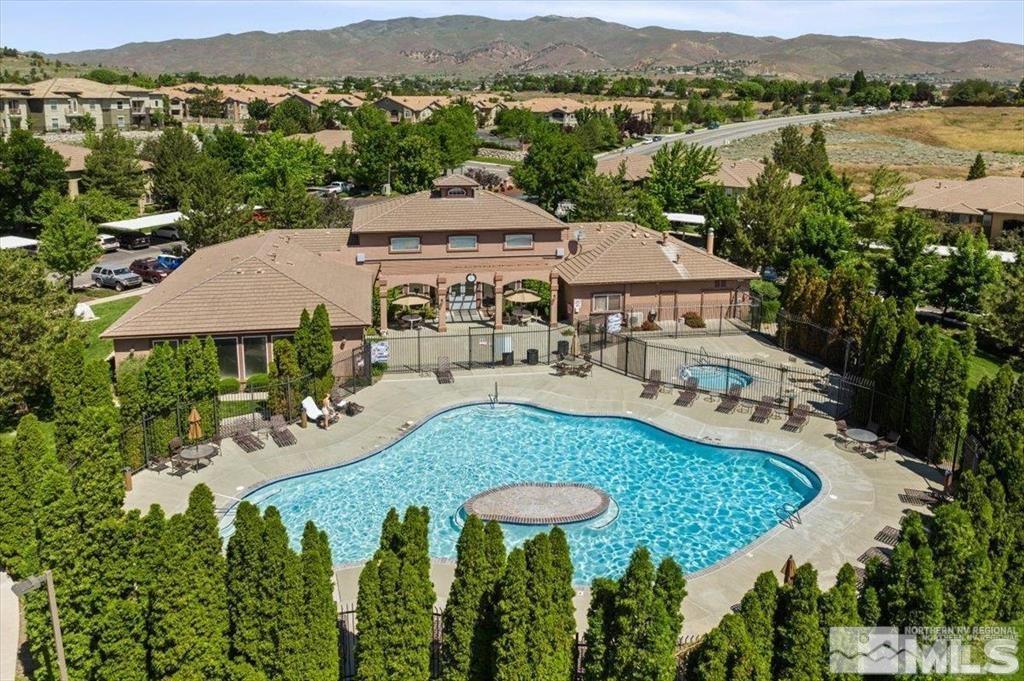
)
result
[(118, 278)]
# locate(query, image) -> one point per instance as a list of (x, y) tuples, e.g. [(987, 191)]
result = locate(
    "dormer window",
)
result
[(456, 191)]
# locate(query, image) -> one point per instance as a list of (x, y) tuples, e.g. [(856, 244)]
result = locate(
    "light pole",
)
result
[(31, 584)]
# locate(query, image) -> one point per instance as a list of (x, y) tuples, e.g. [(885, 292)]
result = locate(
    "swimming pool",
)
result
[(716, 377), (690, 500)]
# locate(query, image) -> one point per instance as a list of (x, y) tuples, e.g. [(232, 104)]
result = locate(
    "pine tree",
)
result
[(978, 169), (248, 647), (758, 609), (463, 610), (111, 167), (190, 626), (600, 625), (320, 661), (174, 155), (800, 642), (512, 653)]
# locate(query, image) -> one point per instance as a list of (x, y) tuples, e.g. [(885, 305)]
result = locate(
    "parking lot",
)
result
[(124, 258)]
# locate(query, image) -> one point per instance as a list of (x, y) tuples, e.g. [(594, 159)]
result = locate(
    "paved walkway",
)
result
[(9, 616), (859, 496)]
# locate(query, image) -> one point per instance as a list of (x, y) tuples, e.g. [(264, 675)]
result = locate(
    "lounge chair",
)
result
[(688, 394), (763, 411), (444, 370), (798, 419), (279, 432), (652, 386), (316, 414), (248, 442), (344, 404), (730, 400), (159, 463)]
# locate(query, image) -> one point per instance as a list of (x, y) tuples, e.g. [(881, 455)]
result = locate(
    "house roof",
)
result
[(80, 87), (257, 283), (455, 180), (738, 174), (971, 197), (425, 212), (546, 105), (74, 155), (635, 105), (622, 252), (414, 102), (318, 96), (328, 139)]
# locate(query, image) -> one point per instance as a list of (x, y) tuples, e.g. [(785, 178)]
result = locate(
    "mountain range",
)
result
[(472, 46)]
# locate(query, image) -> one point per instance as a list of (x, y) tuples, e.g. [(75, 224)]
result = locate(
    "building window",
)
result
[(120, 121), (227, 357), (456, 191), (405, 244), (721, 283), (53, 106), (54, 124), (254, 350), (462, 242), (518, 241), (169, 341), (120, 105), (606, 302)]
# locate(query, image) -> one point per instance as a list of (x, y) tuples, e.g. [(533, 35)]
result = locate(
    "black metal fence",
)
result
[(698, 319), (422, 350)]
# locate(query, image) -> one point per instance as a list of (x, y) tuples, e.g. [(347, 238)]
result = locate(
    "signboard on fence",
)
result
[(379, 351), (614, 323)]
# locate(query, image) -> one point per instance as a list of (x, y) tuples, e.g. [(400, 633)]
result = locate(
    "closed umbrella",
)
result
[(195, 430), (575, 348), (411, 300), (789, 571), (523, 296)]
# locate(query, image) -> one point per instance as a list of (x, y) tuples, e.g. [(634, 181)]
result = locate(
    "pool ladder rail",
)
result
[(493, 399), (789, 515)]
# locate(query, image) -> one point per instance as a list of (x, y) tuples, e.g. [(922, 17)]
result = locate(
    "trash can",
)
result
[(563, 348), (531, 356), (506, 358)]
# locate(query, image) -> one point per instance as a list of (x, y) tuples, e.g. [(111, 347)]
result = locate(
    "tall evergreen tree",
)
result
[(800, 642), (639, 626), (758, 609), (838, 607), (96, 475), (370, 653), (111, 166), (482, 659), (912, 595), (465, 601), (320, 661), (281, 595), (511, 650), (246, 548), (978, 169), (174, 155), (20, 476), (962, 567)]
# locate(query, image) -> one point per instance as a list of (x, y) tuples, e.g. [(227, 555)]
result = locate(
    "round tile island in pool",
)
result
[(539, 503), (694, 501)]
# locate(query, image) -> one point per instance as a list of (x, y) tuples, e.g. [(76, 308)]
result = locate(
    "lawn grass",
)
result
[(106, 314), (93, 293), (493, 159), (980, 365), (969, 128)]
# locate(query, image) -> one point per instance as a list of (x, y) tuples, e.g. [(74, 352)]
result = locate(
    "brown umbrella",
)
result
[(789, 571), (575, 347), (522, 296), (195, 430), (411, 300)]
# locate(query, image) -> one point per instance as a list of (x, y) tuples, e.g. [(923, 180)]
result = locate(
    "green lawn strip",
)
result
[(106, 314), (95, 293), (493, 159), (982, 364)]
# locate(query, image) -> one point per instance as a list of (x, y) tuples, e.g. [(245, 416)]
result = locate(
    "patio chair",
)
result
[(798, 419), (841, 428), (280, 433), (730, 400), (886, 444), (652, 386), (444, 370), (160, 463), (248, 442), (174, 446), (316, 414), (179, 467), (763, 411), (686, 398)]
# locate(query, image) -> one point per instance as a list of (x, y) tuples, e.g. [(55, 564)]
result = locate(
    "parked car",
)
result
[(133, 240), (169, 232), (150, 270), (657, 138), (338, 187), (713, 125), (117, 278), (690, 131), (107, 242), (169, 261)]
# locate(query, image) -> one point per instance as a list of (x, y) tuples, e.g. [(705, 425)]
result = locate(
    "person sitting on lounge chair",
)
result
[(314, 413)]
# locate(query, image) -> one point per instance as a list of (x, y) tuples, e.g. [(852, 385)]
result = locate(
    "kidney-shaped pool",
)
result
[(694, 501)]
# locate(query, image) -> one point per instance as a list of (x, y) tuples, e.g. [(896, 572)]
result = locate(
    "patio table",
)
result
[(862, 435), (194, 453), (411, 320)]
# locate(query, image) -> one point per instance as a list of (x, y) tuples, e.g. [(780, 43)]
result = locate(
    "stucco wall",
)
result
[(668, 300)]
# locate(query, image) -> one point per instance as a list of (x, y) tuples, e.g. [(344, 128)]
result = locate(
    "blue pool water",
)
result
[(693, 501), (716, 377)]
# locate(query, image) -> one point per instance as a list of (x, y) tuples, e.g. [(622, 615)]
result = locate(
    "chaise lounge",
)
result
[(444, 370), (650, 390), (280, 433), (730, 400), (796, 422), (688, 394)]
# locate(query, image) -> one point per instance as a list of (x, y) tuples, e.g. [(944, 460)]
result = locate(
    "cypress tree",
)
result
[(66, 388), (97, 478), (320, 661), (482, 659), (248, 647), (670, 588), (511, 651), (912, 595), (962, 566), (189, 638), (758, 609), (163, 389), (303, 340), (20, 476), (370, 653), (985, 501), (639, 625), (416, 618), (321, 346), (283, 395), (119, 631), (600, 625), (543, 636), (564, 593), (978, 169), (464, 608), (149, 573), (710, 662), (800, 642), (131, 397), (743, 656), (839, 606), (281, 593)]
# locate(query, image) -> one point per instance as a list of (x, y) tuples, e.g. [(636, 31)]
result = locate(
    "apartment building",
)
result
[(13, 108), (52, 105)]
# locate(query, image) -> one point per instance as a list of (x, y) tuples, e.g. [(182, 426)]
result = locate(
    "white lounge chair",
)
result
[(314, 413)]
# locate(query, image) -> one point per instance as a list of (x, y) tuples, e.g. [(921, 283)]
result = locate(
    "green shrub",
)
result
[(228, 386), (770, 295), (257, 382), (694, 320), (378, 369)]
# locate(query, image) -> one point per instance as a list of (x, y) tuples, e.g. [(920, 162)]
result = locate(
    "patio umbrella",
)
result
[(789, 571), (522, 296), (195, 430), (411, 299), (575, 346)]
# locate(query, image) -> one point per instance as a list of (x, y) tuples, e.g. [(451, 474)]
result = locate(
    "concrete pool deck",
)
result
[(859, 496)]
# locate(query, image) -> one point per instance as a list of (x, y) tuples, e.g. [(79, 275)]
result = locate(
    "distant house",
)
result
[(234, 99), (51, 105), (558, 110), (486, 108), (74, 158), (13, 108), (993, 205), (412, 109), (734, 176), (328, 139), (639, 108), (319, 96)]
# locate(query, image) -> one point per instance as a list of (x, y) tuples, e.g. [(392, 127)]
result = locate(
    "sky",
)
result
[(61, 26)]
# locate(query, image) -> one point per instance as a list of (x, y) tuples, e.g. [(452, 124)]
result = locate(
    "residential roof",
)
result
[(634, 105), (145, 222), (414, 102), (425, 212), (74, 155), (738, 174), (455, 180), (972, 197), (80, 87), (548, 104), (318, 96), (257, 283), (622, 252), (328, 139)]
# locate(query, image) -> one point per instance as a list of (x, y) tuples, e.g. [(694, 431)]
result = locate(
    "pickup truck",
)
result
[(117, 278)]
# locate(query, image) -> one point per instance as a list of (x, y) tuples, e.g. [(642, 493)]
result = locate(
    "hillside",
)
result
[(475, 46)]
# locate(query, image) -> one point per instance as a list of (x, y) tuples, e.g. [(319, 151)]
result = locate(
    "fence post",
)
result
[(721, 319), (625, 366), (494, 348)]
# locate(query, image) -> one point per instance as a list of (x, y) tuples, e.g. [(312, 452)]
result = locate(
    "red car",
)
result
[(150, 270)]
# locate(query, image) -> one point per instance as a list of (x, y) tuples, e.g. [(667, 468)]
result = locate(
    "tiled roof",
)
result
[(328, 139), (456, 268), (421, 212), (621, 252), (74, 155), (317, 98), (738, 174), (548, 104), (81, 87), (971, 197), (415, 102), (256, 283), (634, 105), (455, 180)]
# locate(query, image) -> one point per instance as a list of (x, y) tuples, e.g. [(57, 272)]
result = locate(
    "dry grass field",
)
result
[(998, 129)]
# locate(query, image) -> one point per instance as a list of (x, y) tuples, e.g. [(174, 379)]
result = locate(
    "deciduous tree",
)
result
[(680, 173), (213, 206), (111, 167), (28, 169), (67, 242), (553, 169)]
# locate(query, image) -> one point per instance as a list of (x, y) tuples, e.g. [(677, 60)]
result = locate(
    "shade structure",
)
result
[(195, 429), (789, 571), (522, 296), (411, 300)]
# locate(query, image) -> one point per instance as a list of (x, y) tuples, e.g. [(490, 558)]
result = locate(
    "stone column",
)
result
[(499, 300), (553, 317), (382, 305), (442, 304)]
